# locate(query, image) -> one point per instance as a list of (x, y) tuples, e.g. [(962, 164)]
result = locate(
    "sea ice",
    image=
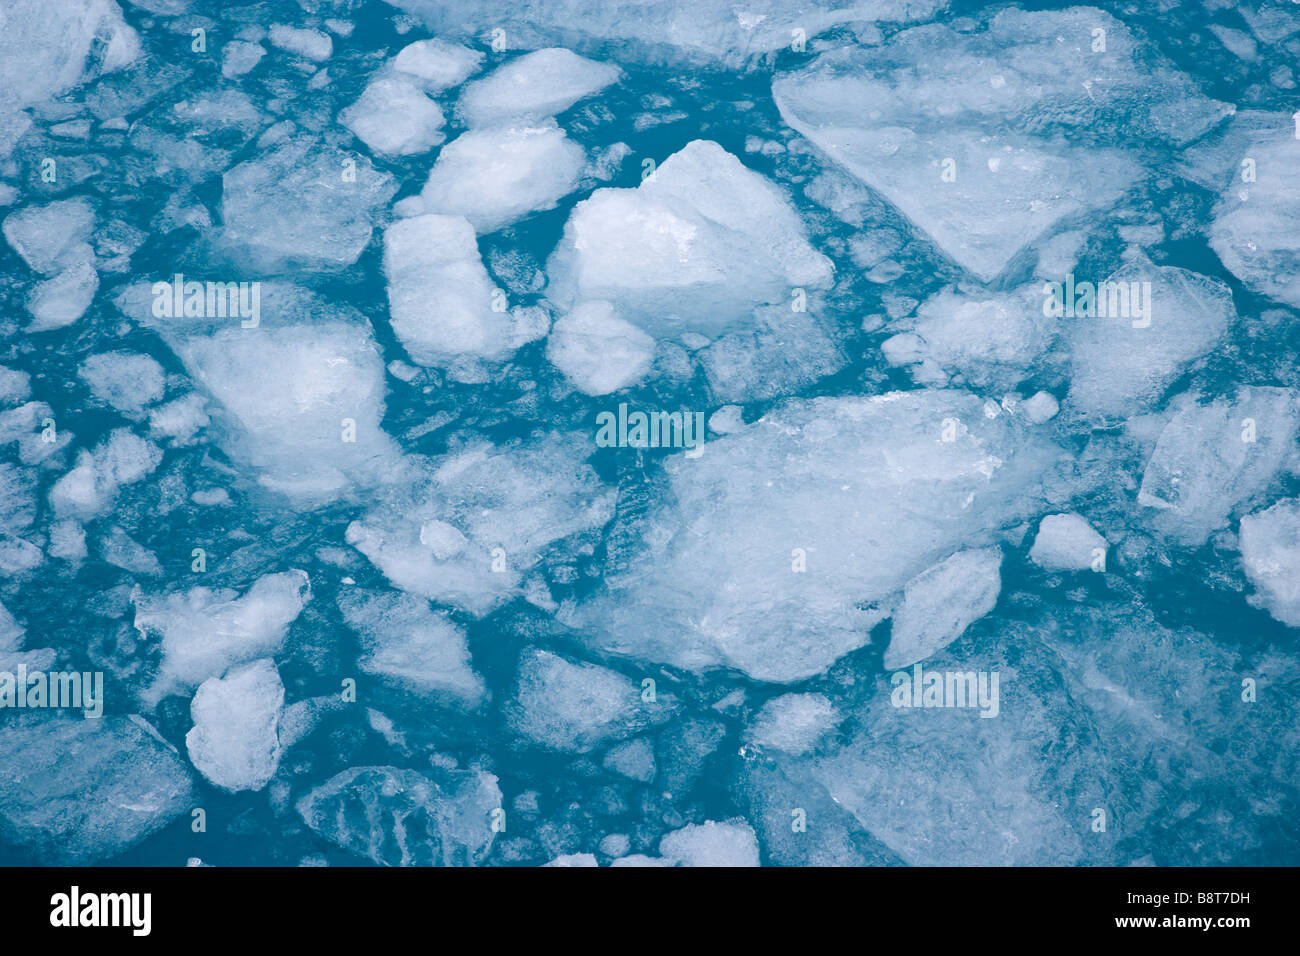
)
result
[(689, 32), (409, 644), (440, 298), (397, 817), (1066, 542), (1122, 364), (574, 708), (711, 844), (1270, 553), (793, 723), (436, 64), (989, 139), (941, 602), (1254, 224), (494, 177), (696, 247), (302, 205), (780, 577), (394, 117), (90, 487), (204, 632), (539, 84), (597, 351), (126, 380), (235, 740), (1211, 458), (507, 505), (76, 791)]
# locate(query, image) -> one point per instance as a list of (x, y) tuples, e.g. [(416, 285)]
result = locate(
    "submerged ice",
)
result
[(982, 544)]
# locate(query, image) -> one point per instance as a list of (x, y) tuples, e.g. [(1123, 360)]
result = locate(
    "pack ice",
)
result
[(863, 494), (991, 139)]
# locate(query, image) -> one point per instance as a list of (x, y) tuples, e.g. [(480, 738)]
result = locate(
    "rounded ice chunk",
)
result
[(1066, 542), (597, 351)]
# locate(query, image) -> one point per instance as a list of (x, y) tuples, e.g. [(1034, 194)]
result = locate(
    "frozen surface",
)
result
[(343, 349), (941, 602), (598, 351), (573, 707)]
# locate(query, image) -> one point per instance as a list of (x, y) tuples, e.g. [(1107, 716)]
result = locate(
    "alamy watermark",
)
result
[(212, 300), (650, 430), (1109, 299), (921, 688), (24, 689)]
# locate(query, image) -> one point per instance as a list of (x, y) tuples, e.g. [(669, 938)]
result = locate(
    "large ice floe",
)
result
[(649, 433), (990, 139)]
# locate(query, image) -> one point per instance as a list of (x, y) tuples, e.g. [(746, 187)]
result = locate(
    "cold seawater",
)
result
[(624, 433)]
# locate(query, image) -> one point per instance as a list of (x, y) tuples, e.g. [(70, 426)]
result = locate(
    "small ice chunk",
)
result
[(396, 817), (574, 859), (597, 351), (1254, 230), (11, 632), (15, 386), (63, 299), (574, 708), (1066, 542), (1040, 408), (204, 631), (494, 177), (126, 380), (48, 48), (992, 340), (727, 419), (634, 759), (539, 84), (941, 602), (444, 540), (511, 504), (395, 118), (436, 64), (1159, 319), (712, 844), (179, 420), (440, 299), (302, 205), (312, 44), (239, 57), (793, 723), (235, 740), (303, 399), (1270, 553), (1209, 458), (89, 488), (52, 237), (408, 643), (122, 551)]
